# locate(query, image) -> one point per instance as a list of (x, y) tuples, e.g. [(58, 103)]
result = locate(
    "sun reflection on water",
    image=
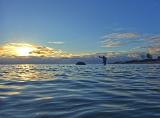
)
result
[(10, 87), (14, 78), (26, 72)]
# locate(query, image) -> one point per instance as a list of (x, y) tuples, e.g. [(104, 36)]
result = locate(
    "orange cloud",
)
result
[(24, 49)]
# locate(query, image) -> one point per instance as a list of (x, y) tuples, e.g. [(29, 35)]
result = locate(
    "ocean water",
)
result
[(70, 91)]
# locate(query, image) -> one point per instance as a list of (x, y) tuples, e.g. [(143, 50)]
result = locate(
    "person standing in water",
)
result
[(104, 59)]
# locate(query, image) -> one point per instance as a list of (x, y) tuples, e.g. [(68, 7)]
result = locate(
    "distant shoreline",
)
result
[(145, 61)]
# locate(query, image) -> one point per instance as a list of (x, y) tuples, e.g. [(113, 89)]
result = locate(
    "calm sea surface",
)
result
[(70, 91)]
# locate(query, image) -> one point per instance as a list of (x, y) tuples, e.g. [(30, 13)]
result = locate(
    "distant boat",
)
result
[(80, 63)]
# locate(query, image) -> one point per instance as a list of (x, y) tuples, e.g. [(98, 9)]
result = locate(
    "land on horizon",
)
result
[(145, 61)]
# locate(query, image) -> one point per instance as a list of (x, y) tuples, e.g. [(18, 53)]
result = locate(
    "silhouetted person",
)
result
[(104, 59)]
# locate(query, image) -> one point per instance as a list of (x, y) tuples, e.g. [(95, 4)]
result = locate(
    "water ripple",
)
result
[(69, 91)]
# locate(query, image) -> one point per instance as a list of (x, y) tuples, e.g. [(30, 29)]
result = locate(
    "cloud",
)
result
[(133, 42), (153, 40), (111, 44), (41, 54), (56, 42), (90, 58), (154, 50), (152, 44), (10, 50), (124, 35), (49, 52), (119, 39)]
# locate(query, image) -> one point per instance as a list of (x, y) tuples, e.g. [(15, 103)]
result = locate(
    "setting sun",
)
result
[(23, 51), (30, 50)]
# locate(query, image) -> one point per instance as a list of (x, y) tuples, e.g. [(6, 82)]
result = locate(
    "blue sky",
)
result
[(80, 24)]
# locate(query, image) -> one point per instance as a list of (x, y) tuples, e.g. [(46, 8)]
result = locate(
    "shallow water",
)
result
[(90, 91)]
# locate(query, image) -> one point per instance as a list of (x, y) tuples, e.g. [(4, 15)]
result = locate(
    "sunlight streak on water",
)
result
[(25, 73)]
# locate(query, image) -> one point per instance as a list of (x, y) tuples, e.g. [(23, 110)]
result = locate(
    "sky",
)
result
[(81, 26)]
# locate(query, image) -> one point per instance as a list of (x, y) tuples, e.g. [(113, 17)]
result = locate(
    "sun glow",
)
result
[(30, 50), (23, 51)]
